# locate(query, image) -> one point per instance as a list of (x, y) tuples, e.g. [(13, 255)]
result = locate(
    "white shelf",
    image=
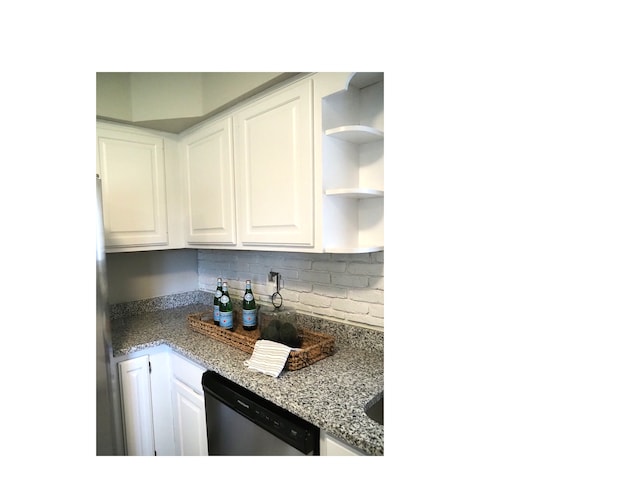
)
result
[(357, 134), (352, 152), (355, 192), (364, 79)]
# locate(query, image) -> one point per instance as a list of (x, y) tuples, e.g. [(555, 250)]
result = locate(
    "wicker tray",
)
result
[(315, 345)]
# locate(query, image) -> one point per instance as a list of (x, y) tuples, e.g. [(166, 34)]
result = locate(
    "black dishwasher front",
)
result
[(239, 422)]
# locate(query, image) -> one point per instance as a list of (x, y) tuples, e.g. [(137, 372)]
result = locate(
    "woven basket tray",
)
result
[(315, 345)]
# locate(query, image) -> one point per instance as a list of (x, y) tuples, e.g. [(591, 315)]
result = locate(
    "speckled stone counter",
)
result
[(332, 393)]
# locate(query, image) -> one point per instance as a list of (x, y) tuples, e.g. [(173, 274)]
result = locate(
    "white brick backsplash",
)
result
[(376, 310), (352, 257), (261, 292), (371, 269), (314, 300), (287, 272), (348, 280), (342, 287), (366, 319), (330, 291), (296, 263), (298, 286), (367, 295), (320, 312), (376, 282), (337, 267), (349, 306), (315, 277), (288, 296)]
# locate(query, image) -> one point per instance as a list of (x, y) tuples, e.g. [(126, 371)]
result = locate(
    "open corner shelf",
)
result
[(357, 134), (352, 152), (355, 192)]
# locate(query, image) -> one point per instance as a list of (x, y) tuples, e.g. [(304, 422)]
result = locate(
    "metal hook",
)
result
[(276, 298)]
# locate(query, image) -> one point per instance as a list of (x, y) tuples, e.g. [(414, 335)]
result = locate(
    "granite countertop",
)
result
[(331, 393)]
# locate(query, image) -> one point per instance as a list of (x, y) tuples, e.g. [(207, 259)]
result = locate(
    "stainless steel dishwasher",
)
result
[(239, 422)]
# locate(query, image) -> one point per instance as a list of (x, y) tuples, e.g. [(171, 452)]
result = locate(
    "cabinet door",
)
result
[(190, 425), (274, 162), (162, 402), (135, 388), (133, 188), (207, 154), (331, 446)]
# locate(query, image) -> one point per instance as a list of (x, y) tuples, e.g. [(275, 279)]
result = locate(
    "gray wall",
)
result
[(142, 275)]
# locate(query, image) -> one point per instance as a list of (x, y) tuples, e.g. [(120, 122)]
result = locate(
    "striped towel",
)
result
[(268, 357)]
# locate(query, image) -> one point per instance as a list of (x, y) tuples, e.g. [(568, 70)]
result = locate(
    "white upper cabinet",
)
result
[(207, 160), (133, 186), (350, 143), (299, 167), (275, 169), (141, 189)]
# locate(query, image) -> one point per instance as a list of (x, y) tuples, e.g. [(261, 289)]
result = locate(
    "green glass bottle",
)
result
[(216, 302), (226, 308), (249, 310)]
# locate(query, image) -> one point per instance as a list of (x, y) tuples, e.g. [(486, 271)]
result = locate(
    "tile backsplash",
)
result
[(344, 287)]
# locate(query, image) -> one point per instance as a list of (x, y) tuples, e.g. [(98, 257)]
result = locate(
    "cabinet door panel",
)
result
[(274, 158), (135, 385), (133, 188), (331, 446), (210, 185), (161, 400), (190, 421)]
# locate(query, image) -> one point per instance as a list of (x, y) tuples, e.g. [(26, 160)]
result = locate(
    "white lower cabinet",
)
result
[(189, 419), (137, 409), (331, 446), (162, 405)]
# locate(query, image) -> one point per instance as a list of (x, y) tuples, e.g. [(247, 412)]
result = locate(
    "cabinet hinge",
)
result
[(149, 366)]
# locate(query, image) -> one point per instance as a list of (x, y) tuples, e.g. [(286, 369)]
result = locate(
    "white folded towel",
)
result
[(268, 357)]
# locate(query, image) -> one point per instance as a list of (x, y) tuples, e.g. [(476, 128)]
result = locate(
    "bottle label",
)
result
[(248, 296), (226, 320), (248, 318), (216, 313)]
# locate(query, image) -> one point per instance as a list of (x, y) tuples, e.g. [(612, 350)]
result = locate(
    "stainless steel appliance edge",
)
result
[(109, 440)]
